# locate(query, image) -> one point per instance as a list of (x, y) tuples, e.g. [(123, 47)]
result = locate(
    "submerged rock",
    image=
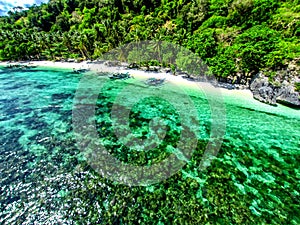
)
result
[(155, 81), (80, 70), (120, 76)]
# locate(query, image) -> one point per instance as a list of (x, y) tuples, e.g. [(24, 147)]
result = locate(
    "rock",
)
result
[(124, 64), (165, 70), (118, 76), (112, 63), (153, 68), (262, 91), (155, 82), (144, 68), (98, 61), (287, 96), (265, 94), (241, 87), (133, 66), (187, 77), (179, 72), (226, 86), (280, 90)]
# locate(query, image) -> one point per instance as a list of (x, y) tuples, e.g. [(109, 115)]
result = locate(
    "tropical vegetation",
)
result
[(249, 182), (231, 36)]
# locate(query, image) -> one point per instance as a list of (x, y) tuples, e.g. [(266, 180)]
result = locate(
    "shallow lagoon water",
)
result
[(45, 179)]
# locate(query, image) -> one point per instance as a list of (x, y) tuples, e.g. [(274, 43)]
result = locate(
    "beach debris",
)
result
[(155, 81), (120, 76)]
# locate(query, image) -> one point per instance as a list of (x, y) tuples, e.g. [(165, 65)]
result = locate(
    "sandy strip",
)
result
[(179, 80), (101, 67), (65, 65), (241, 97)]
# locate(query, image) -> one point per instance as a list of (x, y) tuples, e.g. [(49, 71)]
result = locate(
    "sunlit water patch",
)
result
[(45, 179)]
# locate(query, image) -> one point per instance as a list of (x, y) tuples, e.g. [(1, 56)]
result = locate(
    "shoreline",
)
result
[(63, 65), (240, 95), (141, 74)]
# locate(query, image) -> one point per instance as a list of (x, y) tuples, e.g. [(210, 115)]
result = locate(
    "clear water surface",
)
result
[(43, 177)]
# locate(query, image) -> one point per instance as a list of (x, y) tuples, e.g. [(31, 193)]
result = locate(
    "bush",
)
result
[(203, 43), (223, 64), (297, 86), (214, 22), (253, 47), (249, 13), (219, 7)]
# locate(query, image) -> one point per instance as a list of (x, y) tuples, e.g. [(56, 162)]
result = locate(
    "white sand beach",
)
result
[(102, 67), (66, 65)]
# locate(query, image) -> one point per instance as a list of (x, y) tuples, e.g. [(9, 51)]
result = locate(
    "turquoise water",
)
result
[(45, 179)]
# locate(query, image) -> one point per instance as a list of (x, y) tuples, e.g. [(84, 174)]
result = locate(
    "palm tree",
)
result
[(157, 47)]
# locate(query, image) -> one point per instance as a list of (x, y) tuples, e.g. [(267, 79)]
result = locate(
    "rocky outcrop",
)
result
[(238, 81), (262, 90), (278, 89)]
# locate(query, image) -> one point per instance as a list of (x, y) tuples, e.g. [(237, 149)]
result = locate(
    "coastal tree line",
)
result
[(231, 36)]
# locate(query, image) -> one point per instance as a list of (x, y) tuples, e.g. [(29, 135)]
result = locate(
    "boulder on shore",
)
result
[(278, 89)]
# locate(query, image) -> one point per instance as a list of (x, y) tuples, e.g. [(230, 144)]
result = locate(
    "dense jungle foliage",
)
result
[(231, 36)]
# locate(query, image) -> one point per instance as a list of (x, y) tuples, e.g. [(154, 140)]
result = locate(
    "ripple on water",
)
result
[(45, 179)]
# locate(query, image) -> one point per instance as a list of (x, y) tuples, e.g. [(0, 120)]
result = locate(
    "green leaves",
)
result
[(204, 43), (231, 36), (254, 46), (223, 64)]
